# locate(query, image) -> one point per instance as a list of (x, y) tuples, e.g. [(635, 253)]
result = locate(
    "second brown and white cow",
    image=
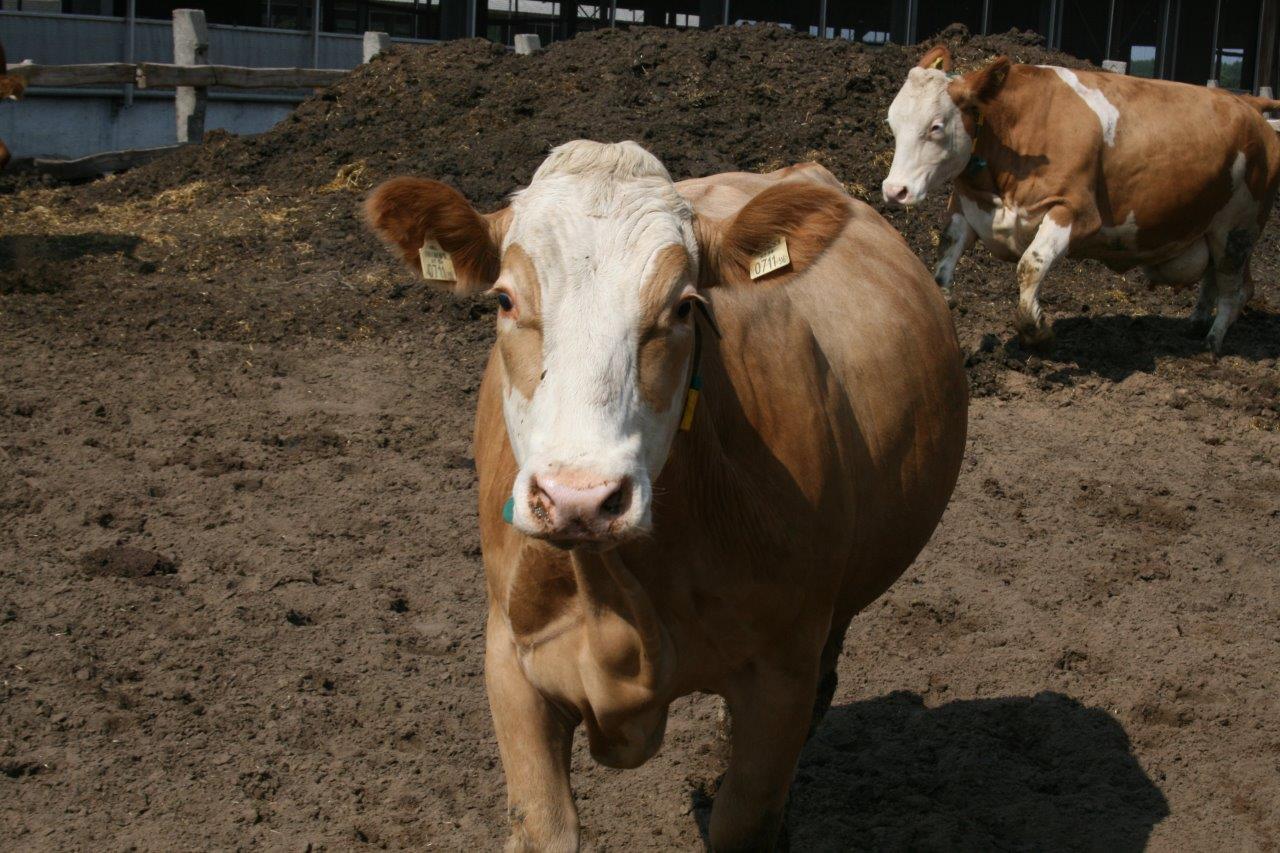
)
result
[(1176, 179), (690, 505)]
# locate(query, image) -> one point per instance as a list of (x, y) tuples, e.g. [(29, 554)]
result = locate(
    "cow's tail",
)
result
[(1262, 105)]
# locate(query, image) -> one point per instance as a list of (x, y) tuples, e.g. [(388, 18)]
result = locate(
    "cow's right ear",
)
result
[(939, 58), (407, 212)]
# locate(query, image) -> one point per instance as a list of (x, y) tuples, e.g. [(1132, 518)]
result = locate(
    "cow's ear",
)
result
[(938, 58), (793, 222), (982, 86), (409, 212)]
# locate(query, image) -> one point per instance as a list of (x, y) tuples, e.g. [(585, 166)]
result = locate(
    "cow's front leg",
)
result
[(956, 240), (1050, 243), (534, 740), (771, 711)]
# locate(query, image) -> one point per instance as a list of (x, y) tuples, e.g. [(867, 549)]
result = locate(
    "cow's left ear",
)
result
[(806, 217), (939, 58), (982, 86)]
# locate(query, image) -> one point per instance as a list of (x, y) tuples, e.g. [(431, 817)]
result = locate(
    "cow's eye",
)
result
[(937, 128), (504, 300), (683, 309)]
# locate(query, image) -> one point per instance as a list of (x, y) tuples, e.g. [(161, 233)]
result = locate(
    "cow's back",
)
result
[(1157, 159)]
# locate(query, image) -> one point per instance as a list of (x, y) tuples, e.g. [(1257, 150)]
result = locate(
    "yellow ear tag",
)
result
[(436, 263), (690, 404), (938, 63), (775, 257)]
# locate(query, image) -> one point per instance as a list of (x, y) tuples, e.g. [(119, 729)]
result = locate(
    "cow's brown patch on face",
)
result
[(520, 339), (662, 360), (519, 272), (665, 340)]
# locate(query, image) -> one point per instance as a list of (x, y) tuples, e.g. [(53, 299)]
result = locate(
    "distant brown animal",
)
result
[(10, 87), (1045, 162), (654, 545)]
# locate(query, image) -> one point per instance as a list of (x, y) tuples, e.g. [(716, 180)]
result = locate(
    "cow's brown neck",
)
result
[(981, 177)]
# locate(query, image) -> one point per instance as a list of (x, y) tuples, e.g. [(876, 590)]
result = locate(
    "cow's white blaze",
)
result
[(1108, 115), (930, 143), (594, 222)]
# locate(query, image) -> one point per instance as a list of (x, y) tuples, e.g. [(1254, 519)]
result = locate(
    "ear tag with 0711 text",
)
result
[(774, 257), (436, 263)]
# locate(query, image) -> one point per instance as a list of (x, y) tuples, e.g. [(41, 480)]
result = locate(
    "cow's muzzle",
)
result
[(572, 508)]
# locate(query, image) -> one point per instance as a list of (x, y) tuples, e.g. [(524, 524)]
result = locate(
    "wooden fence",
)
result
[(190, 75)]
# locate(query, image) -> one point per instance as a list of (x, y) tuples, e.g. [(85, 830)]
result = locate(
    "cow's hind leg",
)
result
[(827, 679), (771, 709), (1050, 243), (1202, 314), (1231, 265)]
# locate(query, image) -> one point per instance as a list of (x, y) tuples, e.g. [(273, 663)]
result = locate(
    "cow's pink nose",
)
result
[(578, 506), (895, 192)]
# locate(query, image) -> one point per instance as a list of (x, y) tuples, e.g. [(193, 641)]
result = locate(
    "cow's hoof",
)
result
[(1039, 337), (1213, 343), (948, 294)]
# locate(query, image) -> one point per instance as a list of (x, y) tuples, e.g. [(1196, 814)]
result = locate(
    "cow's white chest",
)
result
[(1004, 228)]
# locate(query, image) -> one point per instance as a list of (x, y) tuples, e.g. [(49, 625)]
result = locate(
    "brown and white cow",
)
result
[(11, 87), (654, 547), (1046, 162)]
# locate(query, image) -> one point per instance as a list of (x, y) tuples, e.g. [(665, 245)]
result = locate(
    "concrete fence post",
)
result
[(1212, 84), (190, 47), (374, 44), (527, 43)]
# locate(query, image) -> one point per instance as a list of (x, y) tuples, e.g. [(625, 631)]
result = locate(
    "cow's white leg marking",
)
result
[(1202, 315), (956, 240), (1231, 262), (1232, 235), (1050, 243)]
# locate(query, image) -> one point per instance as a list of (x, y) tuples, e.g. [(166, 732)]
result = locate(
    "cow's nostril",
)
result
[(615, 504)]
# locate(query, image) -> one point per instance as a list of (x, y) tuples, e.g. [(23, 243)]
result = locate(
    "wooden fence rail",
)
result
[(191, 76), (155, 75)]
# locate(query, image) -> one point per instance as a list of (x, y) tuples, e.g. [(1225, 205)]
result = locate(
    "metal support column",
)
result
[(130, 44), (1162, 40), (315, 34), (822, 19), (1111, 28), (986, 17)]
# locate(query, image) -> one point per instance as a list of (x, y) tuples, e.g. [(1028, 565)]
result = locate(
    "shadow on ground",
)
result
[(1115, 346), (37, 263), (1037, 773)]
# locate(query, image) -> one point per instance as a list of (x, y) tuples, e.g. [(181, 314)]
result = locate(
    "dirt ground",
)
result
[(241, 598)]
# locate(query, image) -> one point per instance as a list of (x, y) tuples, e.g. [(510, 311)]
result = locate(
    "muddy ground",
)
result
[(241, 602)]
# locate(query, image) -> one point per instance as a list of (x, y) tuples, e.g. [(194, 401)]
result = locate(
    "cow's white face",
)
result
[(595, 330), (931, 145), (595, 268)]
